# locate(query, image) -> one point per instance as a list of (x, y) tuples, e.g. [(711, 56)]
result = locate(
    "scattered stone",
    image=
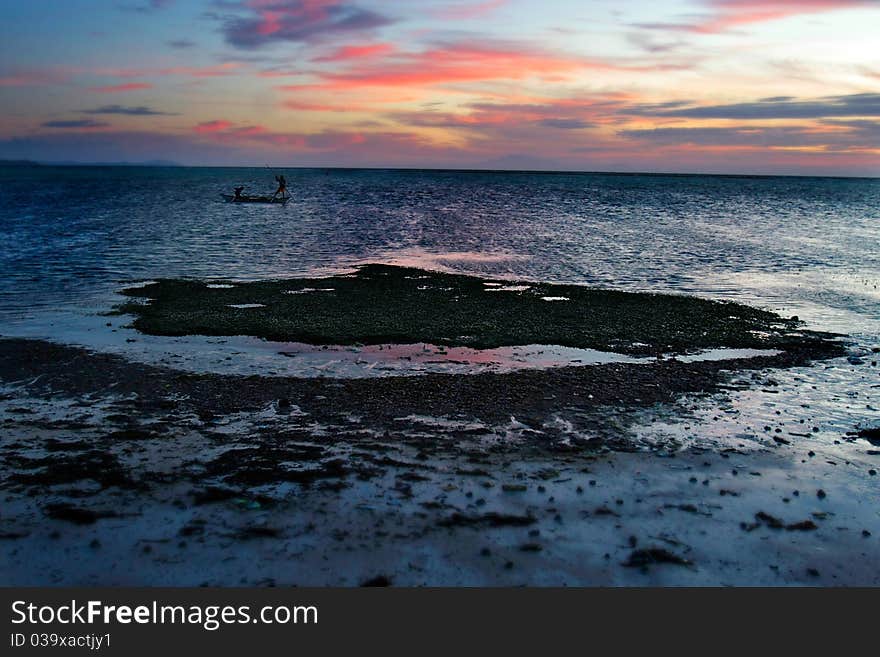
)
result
[(803, 525), (194, 528), (650, 556), (771, 521), (247, 533), (688, 508), (491, 519), (605, 511), (871, 434), (765, 519), (76, 515)]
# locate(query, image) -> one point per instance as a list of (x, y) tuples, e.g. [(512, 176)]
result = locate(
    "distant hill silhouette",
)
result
[(67, 163), (19, 163), (146, 163)]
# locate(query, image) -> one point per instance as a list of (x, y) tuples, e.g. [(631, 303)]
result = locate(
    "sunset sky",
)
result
[(747, 86)]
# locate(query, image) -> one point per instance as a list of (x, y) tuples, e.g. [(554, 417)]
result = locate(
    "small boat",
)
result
[(229, 198)]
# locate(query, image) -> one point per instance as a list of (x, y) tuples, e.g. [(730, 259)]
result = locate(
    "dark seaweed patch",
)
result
[(269, 465), (102, 467), (386, 304)]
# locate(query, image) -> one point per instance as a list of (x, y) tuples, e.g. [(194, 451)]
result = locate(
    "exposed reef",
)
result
[(386, 304)]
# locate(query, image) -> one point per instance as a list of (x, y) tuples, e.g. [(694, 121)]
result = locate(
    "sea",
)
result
[(72, 237)]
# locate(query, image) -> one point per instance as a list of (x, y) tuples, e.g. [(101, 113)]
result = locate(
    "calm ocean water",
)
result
[(805, 246)]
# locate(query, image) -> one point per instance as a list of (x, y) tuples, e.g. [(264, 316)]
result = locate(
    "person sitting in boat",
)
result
[(238, 196), (282, 187)]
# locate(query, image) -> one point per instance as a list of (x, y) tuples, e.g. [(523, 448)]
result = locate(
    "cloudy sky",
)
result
[(749, 86)]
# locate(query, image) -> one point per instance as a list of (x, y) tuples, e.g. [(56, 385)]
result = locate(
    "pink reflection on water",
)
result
[(372, 360), (421, 259)]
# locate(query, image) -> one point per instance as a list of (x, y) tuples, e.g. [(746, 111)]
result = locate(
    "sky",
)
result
[(704, 86)]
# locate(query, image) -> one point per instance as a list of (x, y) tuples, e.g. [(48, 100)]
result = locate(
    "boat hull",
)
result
[(229, 198)]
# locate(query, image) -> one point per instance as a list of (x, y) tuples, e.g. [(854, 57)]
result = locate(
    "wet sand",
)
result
[(127, 473)]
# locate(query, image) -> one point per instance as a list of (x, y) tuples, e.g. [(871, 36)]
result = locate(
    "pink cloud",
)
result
[(227, 68), (356, 52), (731, 13), (208, 127), (250, 131), (116, 88), (32, 78), (457, 63), (20, 81), (304, 106), (468, 9), (64, 74), (278, 73)]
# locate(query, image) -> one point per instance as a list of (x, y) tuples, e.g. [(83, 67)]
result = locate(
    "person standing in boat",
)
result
[(238, 196), (282, 186)]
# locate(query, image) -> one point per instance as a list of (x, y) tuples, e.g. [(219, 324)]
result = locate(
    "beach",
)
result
[(140, 475), (408, 407)]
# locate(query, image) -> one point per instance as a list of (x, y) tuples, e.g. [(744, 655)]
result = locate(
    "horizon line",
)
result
[(24, 163)]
